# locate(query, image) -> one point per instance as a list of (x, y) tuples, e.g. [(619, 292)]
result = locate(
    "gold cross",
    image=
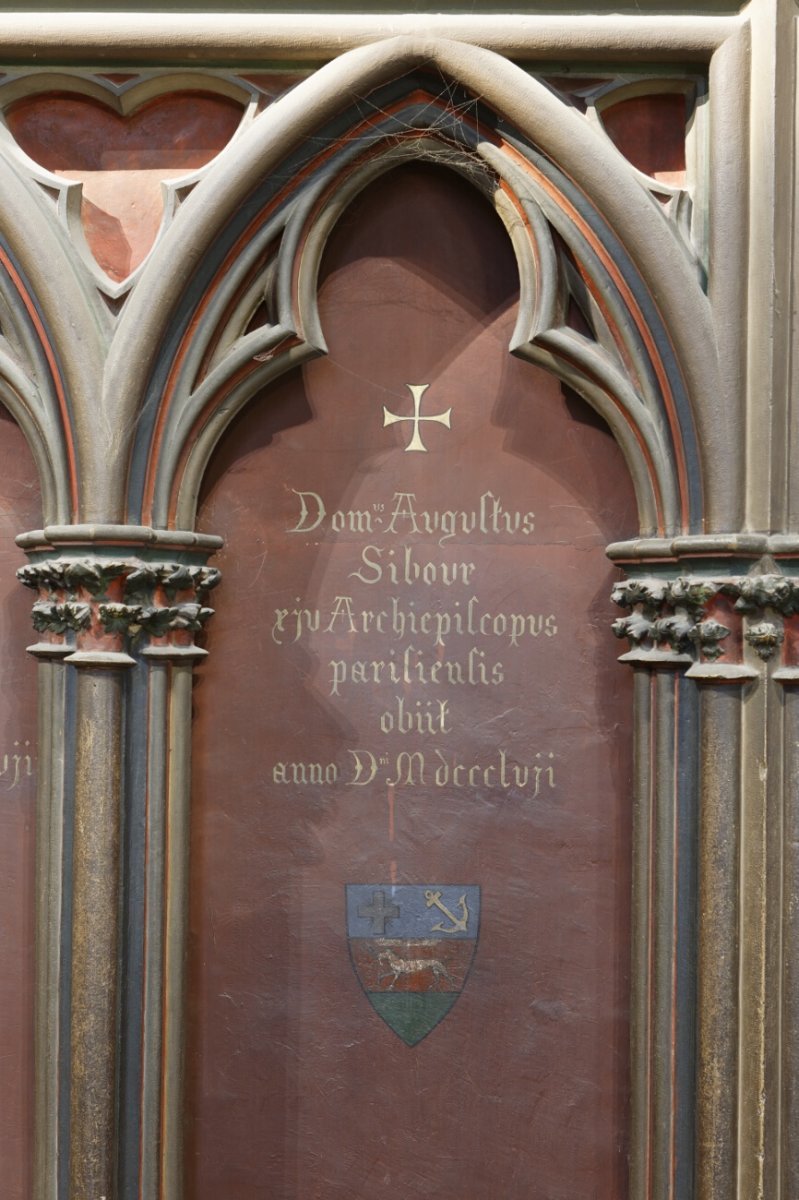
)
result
[(417, 390)]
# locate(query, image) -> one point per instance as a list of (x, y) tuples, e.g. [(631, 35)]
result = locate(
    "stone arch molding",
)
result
[(257, 225), (53, 343), (137, 405)]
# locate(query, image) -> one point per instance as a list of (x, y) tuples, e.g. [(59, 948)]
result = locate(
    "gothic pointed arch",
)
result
[(227, 301), (52, 344)]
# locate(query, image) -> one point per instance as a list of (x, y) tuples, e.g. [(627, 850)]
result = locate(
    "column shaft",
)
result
[(95, 926), (718, 944)]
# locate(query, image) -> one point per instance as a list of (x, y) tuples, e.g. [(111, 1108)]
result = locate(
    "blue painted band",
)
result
[(413, 910)]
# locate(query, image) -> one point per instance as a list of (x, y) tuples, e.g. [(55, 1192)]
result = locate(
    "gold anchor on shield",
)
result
[(459, 924)]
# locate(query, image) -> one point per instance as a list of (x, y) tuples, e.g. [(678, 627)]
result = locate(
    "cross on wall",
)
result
[(417, 390)]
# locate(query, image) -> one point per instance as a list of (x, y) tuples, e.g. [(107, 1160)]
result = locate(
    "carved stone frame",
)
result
[(710, 599)]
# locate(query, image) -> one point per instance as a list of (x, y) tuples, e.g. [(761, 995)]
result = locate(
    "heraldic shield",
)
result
[(412, 947)]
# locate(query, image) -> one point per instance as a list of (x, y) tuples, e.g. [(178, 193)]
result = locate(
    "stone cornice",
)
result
[(705, 546), (235, 38), (113, 535)]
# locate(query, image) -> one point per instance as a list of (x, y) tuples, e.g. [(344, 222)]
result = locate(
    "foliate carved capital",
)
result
[(98, 607), (765, 638), (708, 636), (675, 619), (780, 593), (57, 618), (701, 619)]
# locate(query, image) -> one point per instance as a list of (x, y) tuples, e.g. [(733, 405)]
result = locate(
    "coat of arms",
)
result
[(412, 946)]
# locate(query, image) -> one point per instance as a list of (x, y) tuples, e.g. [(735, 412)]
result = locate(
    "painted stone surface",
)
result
[(650, 132), (122, 162), (19, 510), (412, 689)]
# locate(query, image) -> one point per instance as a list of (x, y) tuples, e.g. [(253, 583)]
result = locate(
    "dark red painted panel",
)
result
[(412, 680), (650, 132), (122, 161)]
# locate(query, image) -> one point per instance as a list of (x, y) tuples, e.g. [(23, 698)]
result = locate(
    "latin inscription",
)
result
[(414, 694), (431, 651), (16, 764)]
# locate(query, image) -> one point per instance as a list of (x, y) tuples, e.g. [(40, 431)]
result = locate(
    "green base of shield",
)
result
[(411, 1015)]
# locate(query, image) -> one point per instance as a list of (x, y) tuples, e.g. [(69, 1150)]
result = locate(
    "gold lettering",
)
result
[(365, 767), (403, 511), (312, 512), (354, 520), (343, 608), (371, 564), (450, 772), (278, 626), (413, 766), (298, 773), (20, 766), (428, 716), (407, 570), (489, 518), (413, 668)]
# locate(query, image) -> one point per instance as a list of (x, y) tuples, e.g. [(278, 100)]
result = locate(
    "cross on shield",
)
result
[(412, 947)]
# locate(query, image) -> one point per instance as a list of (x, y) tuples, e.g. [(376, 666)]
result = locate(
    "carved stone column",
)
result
[(703, 856), (785, 726), (663, 996), (663, 964), (121, 606)]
